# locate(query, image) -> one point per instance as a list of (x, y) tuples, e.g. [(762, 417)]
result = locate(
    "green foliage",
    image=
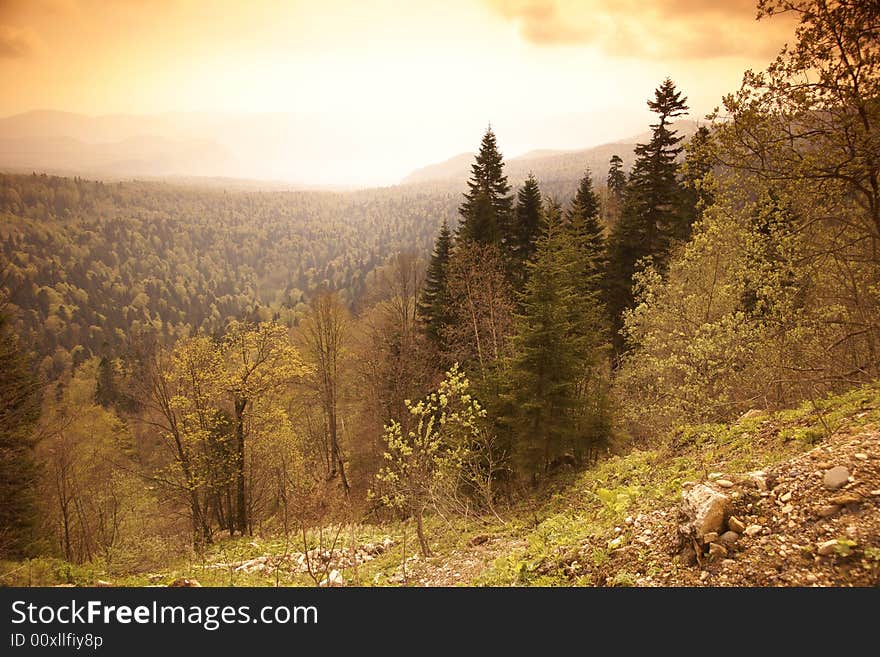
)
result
[(434, 303), (487, 208), (745, 317), (696, 182), (651, 218), (526, 228), (616, 181), (555, 352), (93, 264), (844, 547), (19, 410), (425, 459), (589, 239)]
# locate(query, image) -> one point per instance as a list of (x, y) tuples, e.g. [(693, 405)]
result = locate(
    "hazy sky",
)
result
[(444, 68)]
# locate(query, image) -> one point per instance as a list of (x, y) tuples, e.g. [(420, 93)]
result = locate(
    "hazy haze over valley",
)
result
[(346, 94)]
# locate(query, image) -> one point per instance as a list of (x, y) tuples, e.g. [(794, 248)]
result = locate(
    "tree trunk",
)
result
[(241, 498), (420, 530), (334, 446)]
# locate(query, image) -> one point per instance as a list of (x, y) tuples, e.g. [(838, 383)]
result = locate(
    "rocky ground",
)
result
[(812, 520)]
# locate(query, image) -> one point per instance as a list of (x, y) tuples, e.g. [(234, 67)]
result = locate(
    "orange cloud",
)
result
[(686, 29), (15, 43)]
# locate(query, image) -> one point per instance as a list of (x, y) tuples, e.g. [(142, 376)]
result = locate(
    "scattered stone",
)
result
[(759, 478), (628, 520), (703, 509), (729, 538), (828, 510), (811, 578), (727, 563), (717, 550), (835, 477), (711, 536), (724, 483), (734, 524), (827, 547), (752, 530), (755, 412), (786, 497), (478, 540), (704, 576), (333, 579), (615, 542), (861, 456), (787, 509), (185, 582), (102, 583), (876, 493), (715, 475), (846, 498)]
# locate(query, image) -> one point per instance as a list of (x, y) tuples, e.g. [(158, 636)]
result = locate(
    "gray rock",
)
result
[(724, 483), (759, 479), (751, 530), (334, 579), (703, 510), (827, 547), (734, 524), (710, 537), (729, 538), (835, 477)]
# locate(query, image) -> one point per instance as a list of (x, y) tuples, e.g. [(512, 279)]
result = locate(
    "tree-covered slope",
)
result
[(87, 263)]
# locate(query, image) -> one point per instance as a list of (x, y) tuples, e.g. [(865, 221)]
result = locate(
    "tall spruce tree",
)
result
[(525, 229), (616, 177), (553, 347), (434, 305), (19, 410), (652, 216), (588, 236), (487, 208)]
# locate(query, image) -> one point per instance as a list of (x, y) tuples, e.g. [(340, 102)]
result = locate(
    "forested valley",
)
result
[(185, 369)]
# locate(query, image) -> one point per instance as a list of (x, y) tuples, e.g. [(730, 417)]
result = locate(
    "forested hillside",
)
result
[(203, 368), (86, 264)]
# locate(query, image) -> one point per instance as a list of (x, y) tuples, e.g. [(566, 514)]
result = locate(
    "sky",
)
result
[(559, 74)]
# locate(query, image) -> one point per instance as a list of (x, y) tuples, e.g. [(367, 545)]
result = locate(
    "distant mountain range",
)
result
[(256, 151), (549, 166)]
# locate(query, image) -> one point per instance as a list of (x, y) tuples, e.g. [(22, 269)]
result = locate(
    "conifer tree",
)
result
[(19, 410), (486, 211), (553, 348), (588, 236), (652, 216), (616, 177), (434, 305), (526, 226)]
